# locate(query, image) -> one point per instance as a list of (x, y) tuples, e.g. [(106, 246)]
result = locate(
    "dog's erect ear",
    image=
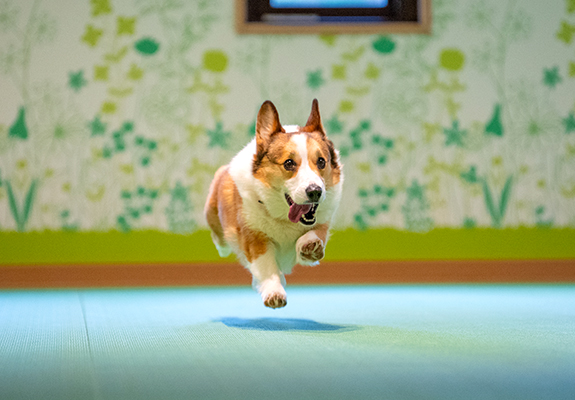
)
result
[(267, 124), (314, 121)]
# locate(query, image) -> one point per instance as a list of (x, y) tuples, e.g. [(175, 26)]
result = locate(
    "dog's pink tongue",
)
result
[(297, 210)]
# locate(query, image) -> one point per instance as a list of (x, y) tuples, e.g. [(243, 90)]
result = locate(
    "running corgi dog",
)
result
[(272, 205)]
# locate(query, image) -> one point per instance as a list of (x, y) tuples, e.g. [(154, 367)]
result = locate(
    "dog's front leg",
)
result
[(311, 245), (268, 280)]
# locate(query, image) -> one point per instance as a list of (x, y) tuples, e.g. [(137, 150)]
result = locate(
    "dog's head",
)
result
[(299, 165)]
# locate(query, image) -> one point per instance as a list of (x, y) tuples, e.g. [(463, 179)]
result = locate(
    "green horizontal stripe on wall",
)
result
[(380, 244)]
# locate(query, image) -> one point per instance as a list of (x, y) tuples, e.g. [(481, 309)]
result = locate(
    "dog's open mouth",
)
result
[(304, 213)]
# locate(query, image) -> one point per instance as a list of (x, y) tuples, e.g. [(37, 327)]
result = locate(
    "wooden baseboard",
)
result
[(224, 274)]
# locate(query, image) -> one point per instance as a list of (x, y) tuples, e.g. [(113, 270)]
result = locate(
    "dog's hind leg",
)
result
[(212, 215)]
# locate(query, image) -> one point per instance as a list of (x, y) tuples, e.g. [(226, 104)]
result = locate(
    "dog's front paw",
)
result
[(310, 249), (275, 300)]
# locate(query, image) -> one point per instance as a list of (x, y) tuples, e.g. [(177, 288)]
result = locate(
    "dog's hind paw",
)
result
[(224, 251), (275, 300)]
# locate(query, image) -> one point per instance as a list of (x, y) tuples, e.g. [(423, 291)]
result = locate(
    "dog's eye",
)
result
[(321, 163), (289, 164)]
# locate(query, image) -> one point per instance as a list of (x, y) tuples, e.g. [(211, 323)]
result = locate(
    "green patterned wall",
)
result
[(114, 115)]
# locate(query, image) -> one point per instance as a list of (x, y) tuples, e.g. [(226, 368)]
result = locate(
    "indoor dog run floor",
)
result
[(331, 342)]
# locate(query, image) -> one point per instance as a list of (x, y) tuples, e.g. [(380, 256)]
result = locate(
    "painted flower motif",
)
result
[(194, 132), (43, 28), (479, 15), (218, 137), (487, 54), (21, 164), (135, 73), (315, 79), (100, 7), (61, 120), (535, 119), (328, 39), (101, 72), (400, 104), (454, 135), (470, 176), (127, 126), (96, 126), (519, 26), (67, 126), (92, 36), (415, 191), (551, 77), (451, 59), (109, 107), (166, 105), (338, 72), (372, 72), (76, 80), (346, 106), (8, 16), (373, 202), (334, 125), (569, 123), (125, 26), (430, 130), (179, 211), (215, 61), (415, 209), (11, 59), (566, 32), (157, 7)]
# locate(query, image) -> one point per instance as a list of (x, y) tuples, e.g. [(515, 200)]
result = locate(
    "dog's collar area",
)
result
[(306, 212)]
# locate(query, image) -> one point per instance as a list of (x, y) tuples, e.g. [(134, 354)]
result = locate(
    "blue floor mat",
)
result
[(341, 342)]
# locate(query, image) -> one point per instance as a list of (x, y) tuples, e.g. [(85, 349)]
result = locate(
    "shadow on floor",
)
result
[(281, 324)]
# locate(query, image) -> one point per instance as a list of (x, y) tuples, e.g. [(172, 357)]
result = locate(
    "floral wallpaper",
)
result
[(114, 115)]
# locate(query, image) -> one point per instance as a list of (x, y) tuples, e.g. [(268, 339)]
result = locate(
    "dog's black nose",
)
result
[(313, 192)]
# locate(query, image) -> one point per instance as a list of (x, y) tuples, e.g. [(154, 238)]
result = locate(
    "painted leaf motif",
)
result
[(19, 129), (354, 54), (495, 127), (120, 92), (117, 56), (505, 197), (21, 218), (384, 45), (357, 91), (470, 176), (28, 202), (490, 204), (13, 204), (147, 46)]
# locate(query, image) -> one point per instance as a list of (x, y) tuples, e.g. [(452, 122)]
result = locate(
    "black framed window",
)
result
[(331, 11), (333, 16)]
